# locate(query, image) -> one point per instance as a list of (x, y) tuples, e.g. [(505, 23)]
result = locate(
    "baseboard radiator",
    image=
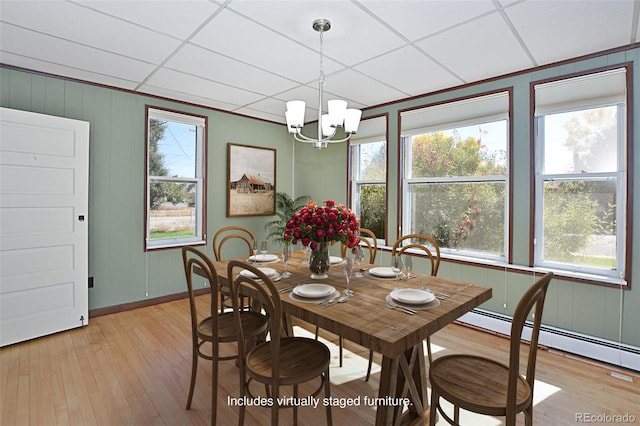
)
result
[(607, 351)]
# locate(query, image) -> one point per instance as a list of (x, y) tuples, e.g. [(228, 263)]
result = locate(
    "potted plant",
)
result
[(286, 207)]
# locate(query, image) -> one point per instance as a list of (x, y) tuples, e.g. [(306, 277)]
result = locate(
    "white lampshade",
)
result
[(287, 115), (296, 113), (337, 110), (327, 129), (352, 120)]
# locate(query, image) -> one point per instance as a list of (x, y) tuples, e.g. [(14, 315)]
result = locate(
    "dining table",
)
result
[(367, 319)]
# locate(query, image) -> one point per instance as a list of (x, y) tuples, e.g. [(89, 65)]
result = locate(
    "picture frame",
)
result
[(251, 180)]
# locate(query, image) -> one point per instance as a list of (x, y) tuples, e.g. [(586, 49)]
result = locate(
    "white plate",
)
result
[(433, 304), (412, 296), (263, 258), (269, 272), (312, 300), (382, 272), (314, 291), (335, 260)]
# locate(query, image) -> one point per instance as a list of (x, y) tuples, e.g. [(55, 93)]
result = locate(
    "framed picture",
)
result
[(251, 180)]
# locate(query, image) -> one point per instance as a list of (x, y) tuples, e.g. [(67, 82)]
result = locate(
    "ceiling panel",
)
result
[(416, 20), (251, 56), (215, 67), (83, 26), (494, 51), (54, 50), (569, 32), (409, 72)]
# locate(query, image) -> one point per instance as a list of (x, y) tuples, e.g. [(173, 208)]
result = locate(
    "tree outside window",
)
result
[(175, 169), (456, 187)]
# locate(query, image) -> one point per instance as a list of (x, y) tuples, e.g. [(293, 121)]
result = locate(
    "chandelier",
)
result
[(338, 114)]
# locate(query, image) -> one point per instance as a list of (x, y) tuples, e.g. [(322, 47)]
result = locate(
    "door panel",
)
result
[(43, 224)]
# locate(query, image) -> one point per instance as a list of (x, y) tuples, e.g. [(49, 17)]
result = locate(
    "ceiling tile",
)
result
[(354, 36), (61, 52), (366, 92), (198, 61), (75, 23), (246, 41), (185, 83), (69, 72), (417, 19), (177, 18), (408, 71), (569, 33), (479, 49)]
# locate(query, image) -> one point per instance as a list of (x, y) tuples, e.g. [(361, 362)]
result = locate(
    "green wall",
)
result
[(599, 311), (123, 272)]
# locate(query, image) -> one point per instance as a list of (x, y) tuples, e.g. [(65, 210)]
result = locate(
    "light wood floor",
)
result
[(132, 368)]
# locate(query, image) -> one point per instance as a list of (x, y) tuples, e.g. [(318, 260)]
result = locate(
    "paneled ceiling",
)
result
[(251, 56)]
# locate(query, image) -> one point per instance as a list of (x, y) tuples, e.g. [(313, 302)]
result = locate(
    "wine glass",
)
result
[(286, 255), (396, 265), (264, 246), (347, 268), (307, 255), (407, 261), (358, 254)]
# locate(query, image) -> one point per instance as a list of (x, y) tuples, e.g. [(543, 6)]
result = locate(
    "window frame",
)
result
[(354, 165), (449, 124), (200, 178), (621, 276)]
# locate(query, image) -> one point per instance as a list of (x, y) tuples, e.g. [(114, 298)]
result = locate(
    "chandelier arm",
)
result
[(337, 120)]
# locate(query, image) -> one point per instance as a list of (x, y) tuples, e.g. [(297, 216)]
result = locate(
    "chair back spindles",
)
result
[(423, 243), (230, 233)]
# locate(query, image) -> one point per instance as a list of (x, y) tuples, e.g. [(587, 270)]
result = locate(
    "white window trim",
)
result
[(200, 177), (582, 95)]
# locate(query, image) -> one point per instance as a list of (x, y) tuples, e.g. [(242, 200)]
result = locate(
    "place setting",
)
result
[(314, 293), (409, 300), (261, 256), (271, 273)]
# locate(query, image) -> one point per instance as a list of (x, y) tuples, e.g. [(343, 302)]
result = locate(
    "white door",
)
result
[(44, 163)]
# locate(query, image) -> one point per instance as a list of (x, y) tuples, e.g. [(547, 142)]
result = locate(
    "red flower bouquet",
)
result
[(315, 224)]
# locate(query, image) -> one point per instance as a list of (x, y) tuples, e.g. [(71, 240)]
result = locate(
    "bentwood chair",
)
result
[(371, 243), (229, 233), (282, 360), (420, 242), (234, 236), (487, 386), (214, 327), (424, 244)]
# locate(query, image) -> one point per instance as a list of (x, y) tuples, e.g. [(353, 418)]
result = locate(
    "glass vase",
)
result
[(319, 261)]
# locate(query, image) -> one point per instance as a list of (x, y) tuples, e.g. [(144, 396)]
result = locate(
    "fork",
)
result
[(440, 296), (400, 308), (325, 303)]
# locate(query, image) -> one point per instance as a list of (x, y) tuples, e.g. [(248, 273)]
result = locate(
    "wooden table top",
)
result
[(365, 318)]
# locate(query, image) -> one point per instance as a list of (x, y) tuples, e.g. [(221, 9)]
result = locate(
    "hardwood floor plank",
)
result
[(133, 368)]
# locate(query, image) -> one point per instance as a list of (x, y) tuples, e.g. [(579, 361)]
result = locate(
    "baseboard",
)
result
[(602, 350), (143, 303)]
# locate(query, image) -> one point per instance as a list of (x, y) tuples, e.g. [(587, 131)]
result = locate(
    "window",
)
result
[(175, 185), (369, 175), (455, 175), (580, 181)]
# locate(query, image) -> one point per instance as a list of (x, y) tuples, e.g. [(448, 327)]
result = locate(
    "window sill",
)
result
[(561, 274)]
